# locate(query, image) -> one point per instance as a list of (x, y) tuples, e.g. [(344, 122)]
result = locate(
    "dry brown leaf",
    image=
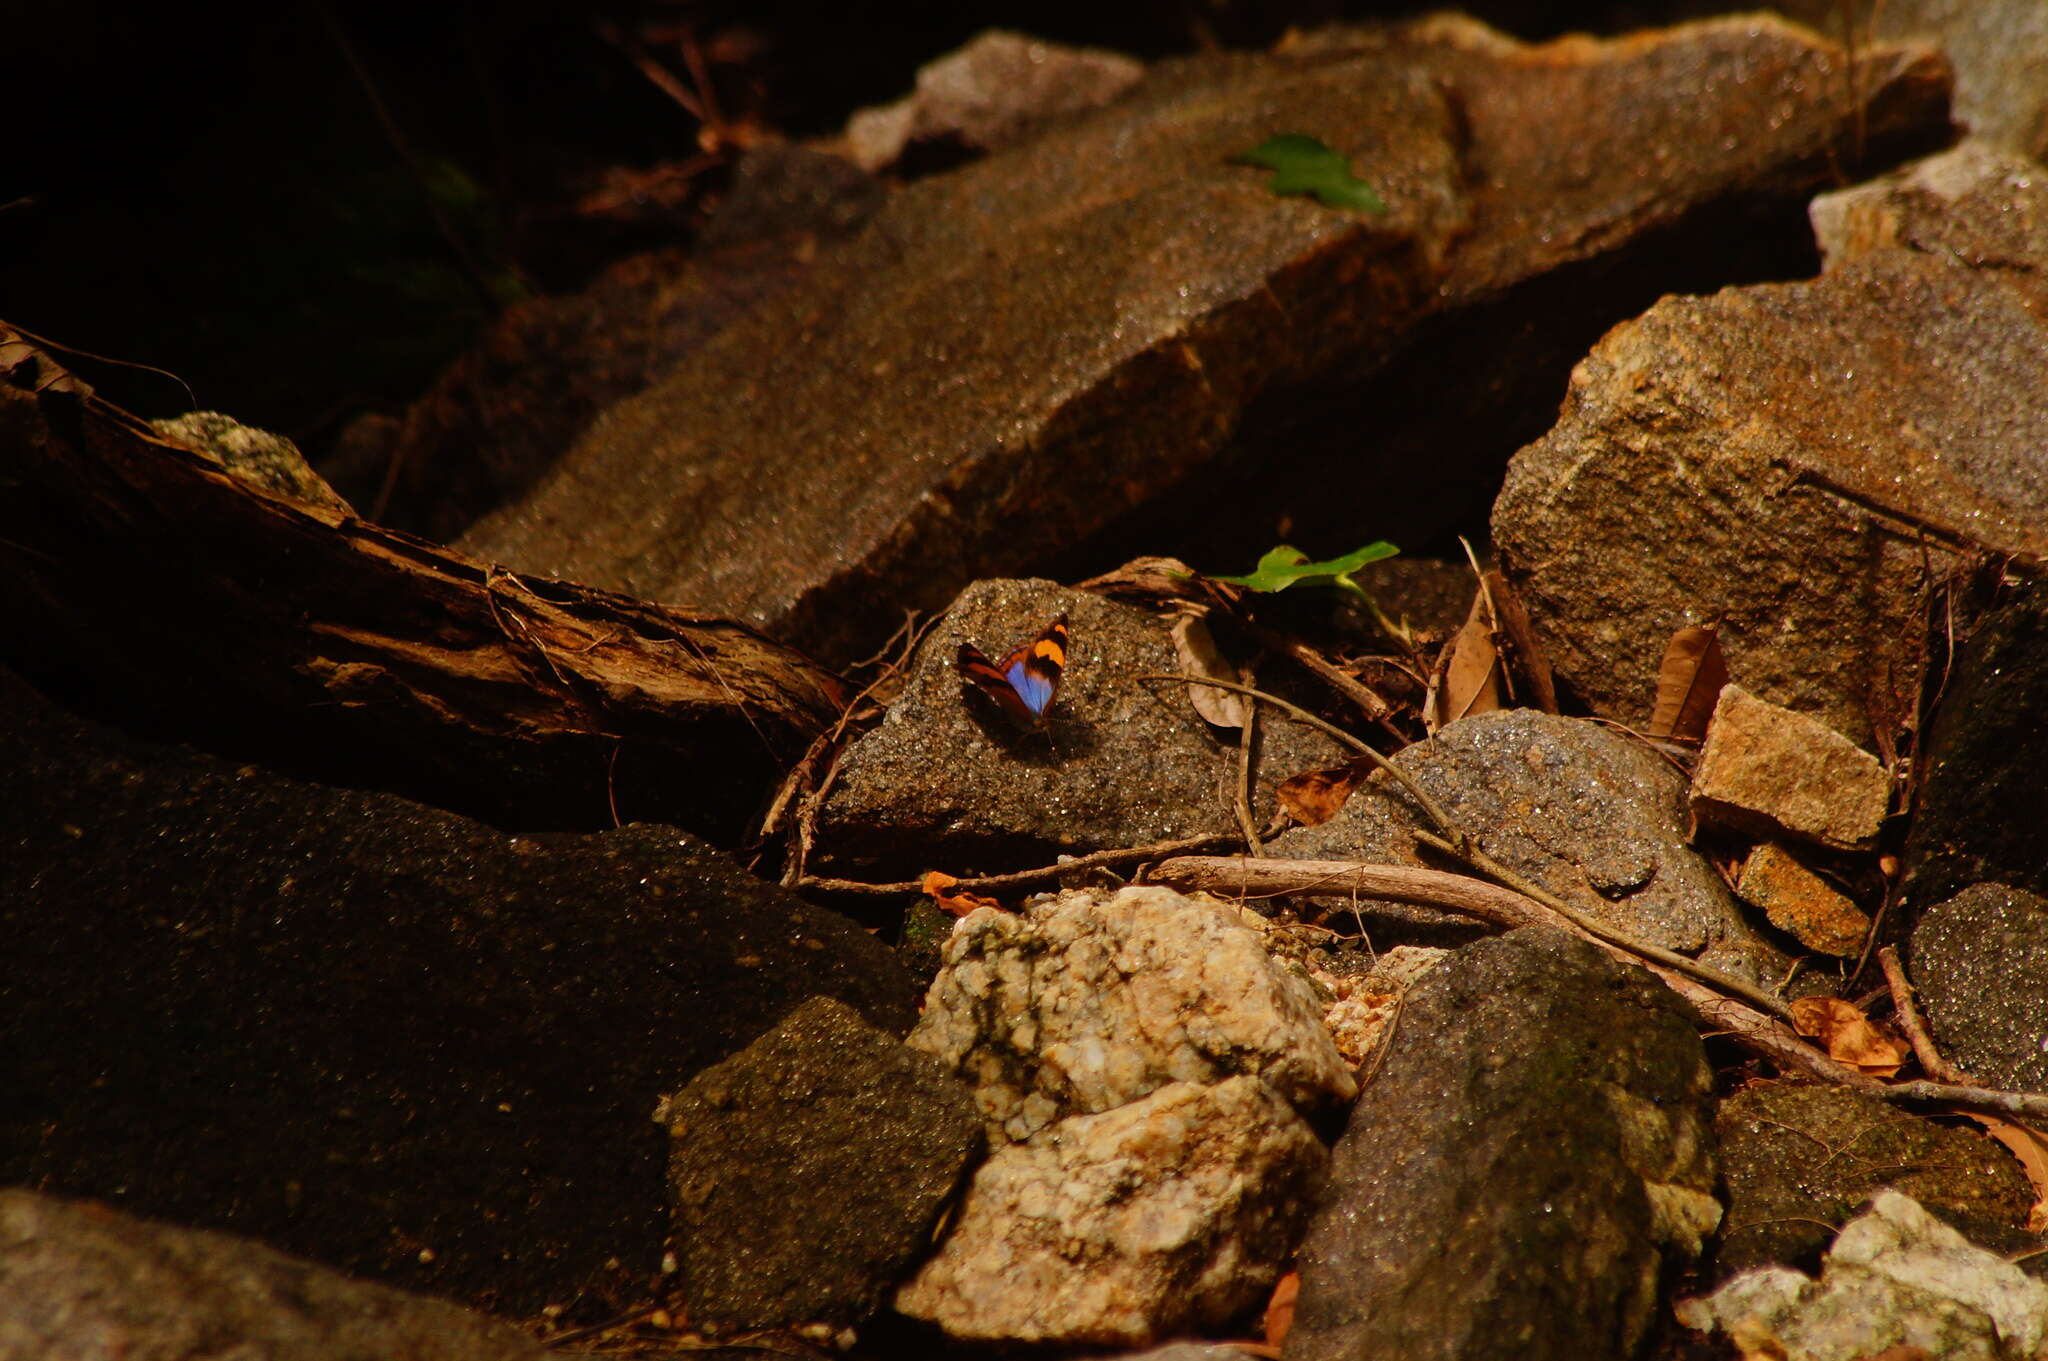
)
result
[(1199, 656), (1313, 797), (1688, 683), (935, 884), (1147, 581), (1847, 1035), (2030, 1146), (1471, 679), (1521, 636), (1280, 1308)]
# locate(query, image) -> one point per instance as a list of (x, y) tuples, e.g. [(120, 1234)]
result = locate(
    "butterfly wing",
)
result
[(1024, 682)]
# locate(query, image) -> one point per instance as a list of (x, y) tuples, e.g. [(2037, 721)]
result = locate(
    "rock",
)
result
[(2000, 51), (1766, 771), (1801, 903), (1092, 1001), (1980, 963), (1595, 818), (1801, 461), (498, 417), (1366, 1005), (85, 1283), (1121, 763), (365, 1030), (1109, 312), (988, 94), (1168, 1214), (258, 457), (1896, 1280), (1534, 1149), (1978, 814), (1799, 1159), (809, 1170)]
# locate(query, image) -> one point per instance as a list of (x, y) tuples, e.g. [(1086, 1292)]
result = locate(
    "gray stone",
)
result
[(1596, 818), (1980, 961), (1799, 461), (1533, 1151), (1981, 805), (948, 780), (1896, 1282), (809, 1170), (81, 1282), (402, 1042), (1083, 322), (1766, 771), (1798, 1160), (1167, 1215), (258, 457), (988, 94), (1095, 1000)]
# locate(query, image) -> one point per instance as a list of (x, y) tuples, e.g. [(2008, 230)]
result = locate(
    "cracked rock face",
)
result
[(1140, 1061)]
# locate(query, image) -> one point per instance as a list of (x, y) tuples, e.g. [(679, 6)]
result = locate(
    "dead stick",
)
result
[(1045, 874), (1931, 1061)]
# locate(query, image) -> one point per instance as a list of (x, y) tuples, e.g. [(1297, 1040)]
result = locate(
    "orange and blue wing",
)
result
[(1023, 684)]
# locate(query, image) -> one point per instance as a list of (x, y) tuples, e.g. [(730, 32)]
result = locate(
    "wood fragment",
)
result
[(1904, 1001)]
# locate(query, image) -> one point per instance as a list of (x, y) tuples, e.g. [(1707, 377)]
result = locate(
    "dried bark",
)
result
[(142, 577)]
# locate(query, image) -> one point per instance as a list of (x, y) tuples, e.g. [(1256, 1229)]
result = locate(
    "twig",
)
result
[(1047, 874), (1246, 735), (1931, 1061), (1763, 1035)]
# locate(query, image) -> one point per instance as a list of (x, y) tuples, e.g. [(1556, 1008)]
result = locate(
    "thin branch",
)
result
[(1047, 874), (1931, 1061), (1246, 736)]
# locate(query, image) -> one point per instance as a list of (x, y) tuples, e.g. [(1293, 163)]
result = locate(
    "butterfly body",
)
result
[(1024, 682)]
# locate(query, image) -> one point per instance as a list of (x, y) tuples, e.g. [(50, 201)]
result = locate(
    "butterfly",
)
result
[(1023, 683)]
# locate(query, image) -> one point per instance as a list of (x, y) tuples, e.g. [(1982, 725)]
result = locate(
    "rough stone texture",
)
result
[(1767, 771), (1799, 461), (502, 413), (1367, 1004), (1982, 802), (81, 1282), (258, 457), (988, 94), (1896, 1278), (1163, 1216), (362, 1029), (1980, 961), (1801, 903), (1999, 47), (1534, 1149), (1592, 816), (809, 1169), (1095, 1000), (1799, 1159), (1073, 326), (947, 780)]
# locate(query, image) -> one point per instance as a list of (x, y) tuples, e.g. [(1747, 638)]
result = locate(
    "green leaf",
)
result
[(1302, 165), (1285, 566)]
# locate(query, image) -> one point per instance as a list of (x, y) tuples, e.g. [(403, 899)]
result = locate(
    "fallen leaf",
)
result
[(1280, 1308), (1313, 797), (1521, 635), (1688, 683), (1303, 165), (1148, 581), (1471, 678), (2030, 1146), (1200, 657), (1847, 1035), (935, 884)]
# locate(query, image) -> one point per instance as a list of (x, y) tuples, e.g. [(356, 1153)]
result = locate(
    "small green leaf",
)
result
[(1285, 566), (1302, 165)]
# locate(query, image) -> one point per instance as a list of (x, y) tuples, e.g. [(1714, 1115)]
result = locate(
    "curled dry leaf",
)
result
[(1147, 581), (1471, 676), (1313, 797), (1521, 636), (1688, 683), (1199, 656), (2030, 1146), (1847, 1035), (1280, 1308), (935, 884)]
